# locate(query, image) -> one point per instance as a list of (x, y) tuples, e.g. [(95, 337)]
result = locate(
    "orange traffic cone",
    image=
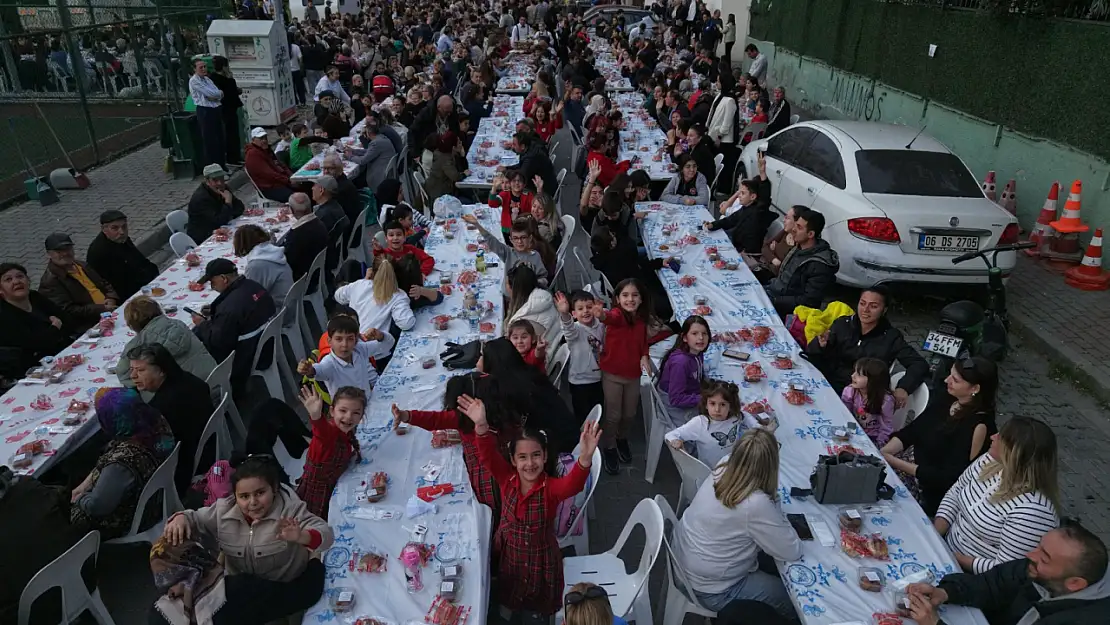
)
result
[(1069, 220), (1009, 197), (1042, 232), (1089, 275), (989, 186)]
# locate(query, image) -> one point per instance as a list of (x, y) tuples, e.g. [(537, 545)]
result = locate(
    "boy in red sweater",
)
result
[(512, 199), (396, 248)]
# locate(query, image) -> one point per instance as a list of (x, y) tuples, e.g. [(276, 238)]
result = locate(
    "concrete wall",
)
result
[(828, 92), (741, 9)]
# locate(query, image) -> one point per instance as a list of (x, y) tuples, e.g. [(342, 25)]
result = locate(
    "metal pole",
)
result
[(9, 58), (78, 64)]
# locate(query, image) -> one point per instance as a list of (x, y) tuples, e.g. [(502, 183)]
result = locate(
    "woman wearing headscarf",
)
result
[(141, 439), (181, 397)]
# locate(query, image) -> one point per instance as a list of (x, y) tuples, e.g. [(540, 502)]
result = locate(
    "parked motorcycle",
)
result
[(966, 329)]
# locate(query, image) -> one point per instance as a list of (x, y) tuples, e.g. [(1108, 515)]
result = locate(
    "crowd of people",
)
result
[(417, 80)]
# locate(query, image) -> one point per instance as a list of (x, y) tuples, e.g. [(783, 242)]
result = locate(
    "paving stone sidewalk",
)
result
[(134, 184)]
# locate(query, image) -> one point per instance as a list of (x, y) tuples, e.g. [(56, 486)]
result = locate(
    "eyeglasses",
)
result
[(523, 239), (593, 592)]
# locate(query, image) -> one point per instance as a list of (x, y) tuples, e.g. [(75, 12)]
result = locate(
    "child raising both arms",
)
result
[(718, 424), (523, 250), (869, 399), (529, 562), (585, 335), (333, 444), (531, 348), (682, 370), (348, 364), (624, 356)]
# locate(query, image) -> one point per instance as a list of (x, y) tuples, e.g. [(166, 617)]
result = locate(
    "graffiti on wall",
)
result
[(856, 98)]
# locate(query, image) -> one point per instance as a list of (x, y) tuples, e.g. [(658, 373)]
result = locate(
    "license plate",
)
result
[(943, 344), (945, 243)]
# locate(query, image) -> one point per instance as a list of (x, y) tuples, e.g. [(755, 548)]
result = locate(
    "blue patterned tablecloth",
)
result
[(459, 523), (824, 583), (489, 143)]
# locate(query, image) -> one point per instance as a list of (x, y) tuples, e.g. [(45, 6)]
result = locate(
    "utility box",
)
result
[(257, 52)]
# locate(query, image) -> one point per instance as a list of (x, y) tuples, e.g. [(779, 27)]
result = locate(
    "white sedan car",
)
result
[(898, 207)]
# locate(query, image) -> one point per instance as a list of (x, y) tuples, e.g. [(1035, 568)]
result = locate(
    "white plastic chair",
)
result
[(627, 592), (278, 369), (219, 382), (294, 467), (595, 416), (216, 426), (916, 404), (753, 132), (794, 119), (181, 244), (656, 424), (679, 601), (355, 248), (292, 329), (693, 473), (65, 573), (314, 298), (160, 480), (581, 542), (559, 178), (568, 232), (383, 212), (177, 221), (556, 365), (719, 161)]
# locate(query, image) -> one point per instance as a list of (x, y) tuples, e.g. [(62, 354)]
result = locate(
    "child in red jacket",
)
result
[(529, 562), (396, 248), (512, 199), (333, 444), (623, 356)]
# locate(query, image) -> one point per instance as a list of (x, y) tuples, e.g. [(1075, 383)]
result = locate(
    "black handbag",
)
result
[(849, 478)]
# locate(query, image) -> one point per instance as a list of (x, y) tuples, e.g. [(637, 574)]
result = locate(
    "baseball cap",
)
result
[(214, 171), (258, 133), (328, 183), (58, 241), (109, 216), (217, 267)]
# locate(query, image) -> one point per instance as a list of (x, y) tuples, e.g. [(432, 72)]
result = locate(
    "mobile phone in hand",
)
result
[(800, 525), (193, 312)]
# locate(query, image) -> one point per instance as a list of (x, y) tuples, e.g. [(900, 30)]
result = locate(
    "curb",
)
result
[(158, 238), (1055, 349)]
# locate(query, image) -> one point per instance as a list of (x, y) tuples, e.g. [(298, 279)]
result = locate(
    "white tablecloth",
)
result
[(642, 142), (311, 171), (21, 422), (824, 582), (492, 143), (459, 521), (519, 79), (608, 67)]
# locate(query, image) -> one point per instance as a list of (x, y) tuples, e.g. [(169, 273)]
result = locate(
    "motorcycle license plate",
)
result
[(943, 344)]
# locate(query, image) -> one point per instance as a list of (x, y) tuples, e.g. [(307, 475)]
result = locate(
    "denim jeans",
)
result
[(756, 586)]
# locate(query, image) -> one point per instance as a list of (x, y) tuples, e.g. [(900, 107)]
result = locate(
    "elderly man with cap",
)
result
[(114, 256), (306, 239), (346, 193), (235, 319), (327, 207), (212, 206), (270, 175), (74, 286)]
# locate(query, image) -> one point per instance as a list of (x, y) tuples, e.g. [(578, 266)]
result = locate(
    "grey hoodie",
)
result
[(805, 277), (266, 265)]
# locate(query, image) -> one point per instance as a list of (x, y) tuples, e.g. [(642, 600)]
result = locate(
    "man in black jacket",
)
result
[(1061, 582), (235, 319), (212, 205), (747, 227), (867, 333), (808, 271), (534, 161), (114, 256), (306, 239), (75, 287), (433, 121)]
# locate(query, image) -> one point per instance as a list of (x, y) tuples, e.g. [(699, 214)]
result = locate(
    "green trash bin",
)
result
[(182, 135)]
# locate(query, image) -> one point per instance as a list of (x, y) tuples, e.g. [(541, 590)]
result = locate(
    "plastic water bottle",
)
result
[(480, 261)]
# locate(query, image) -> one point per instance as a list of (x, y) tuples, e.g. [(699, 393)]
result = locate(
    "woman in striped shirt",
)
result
[(1005, 501)]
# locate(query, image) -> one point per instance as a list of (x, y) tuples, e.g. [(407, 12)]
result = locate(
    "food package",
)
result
[(850, 518), (884, 618), (870, 578), (753, 372), (445, 438), (687, 281), (797, 396), (367, 562), (342, 599), (443, 612), (782, 361), (863, 545)]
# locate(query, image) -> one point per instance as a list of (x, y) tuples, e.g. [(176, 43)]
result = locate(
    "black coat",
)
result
[(69, 295), (303, 243), (121, 264), (186, 402), (1005, 594), (535, 162), (780, 120), (25, 337), (846, 344), (208, 211), (347, 196), (424, 126), (240, 310), (747, 227)]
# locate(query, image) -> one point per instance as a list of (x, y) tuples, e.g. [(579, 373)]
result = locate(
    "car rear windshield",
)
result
[(908, 172)]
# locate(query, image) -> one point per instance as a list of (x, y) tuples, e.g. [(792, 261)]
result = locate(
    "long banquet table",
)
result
[(32, 411), (460, 527), (492, 146), (824, 583), (641, 140)]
